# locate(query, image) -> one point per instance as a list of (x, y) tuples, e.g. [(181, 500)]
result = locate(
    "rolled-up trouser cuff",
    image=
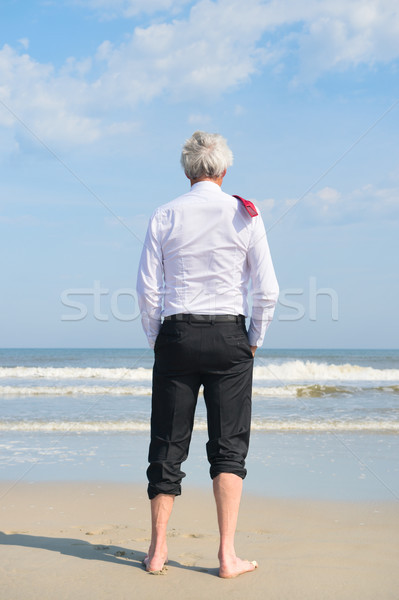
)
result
[(154, 490), (164, 478), (227, 454), (217, 469)]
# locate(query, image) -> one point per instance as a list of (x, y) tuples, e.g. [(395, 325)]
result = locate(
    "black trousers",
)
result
[(216, 355)]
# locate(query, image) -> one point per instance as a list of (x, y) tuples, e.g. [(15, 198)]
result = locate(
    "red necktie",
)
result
[(250, 208)]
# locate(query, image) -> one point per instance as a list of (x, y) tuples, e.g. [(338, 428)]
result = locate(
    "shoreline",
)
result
[(309, 466), (71, 539)]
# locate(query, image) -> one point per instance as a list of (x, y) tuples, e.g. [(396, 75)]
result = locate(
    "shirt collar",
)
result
[(206, 185)]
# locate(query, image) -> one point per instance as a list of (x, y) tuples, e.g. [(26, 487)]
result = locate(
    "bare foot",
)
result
[(155, 564), (235, 567)]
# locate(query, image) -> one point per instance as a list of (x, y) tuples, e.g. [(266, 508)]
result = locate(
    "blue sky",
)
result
[(96, 100)]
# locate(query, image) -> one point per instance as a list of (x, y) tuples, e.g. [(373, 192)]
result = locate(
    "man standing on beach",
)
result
[(201, 252)]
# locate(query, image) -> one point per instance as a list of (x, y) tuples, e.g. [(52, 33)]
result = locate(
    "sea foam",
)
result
[(292, 370), (259, 425)]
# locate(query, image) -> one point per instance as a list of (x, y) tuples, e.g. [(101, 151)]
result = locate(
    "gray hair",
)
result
[(205, 155)]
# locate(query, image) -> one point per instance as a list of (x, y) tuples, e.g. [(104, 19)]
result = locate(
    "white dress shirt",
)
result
[(200, 254)]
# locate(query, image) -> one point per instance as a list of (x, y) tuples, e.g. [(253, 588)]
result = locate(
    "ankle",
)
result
[(226, 554), (159, 549)]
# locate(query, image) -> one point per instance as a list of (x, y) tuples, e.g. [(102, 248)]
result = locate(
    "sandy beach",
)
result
[(77, 540)]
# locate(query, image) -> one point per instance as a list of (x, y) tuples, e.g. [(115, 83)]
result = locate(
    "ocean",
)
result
[(324, 422)]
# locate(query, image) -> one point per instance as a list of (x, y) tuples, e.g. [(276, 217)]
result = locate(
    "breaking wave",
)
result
[(283, 391), (293, 370), (260, 425)]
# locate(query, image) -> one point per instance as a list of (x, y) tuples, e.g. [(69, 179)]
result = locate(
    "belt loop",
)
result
[(189, 319), (212, 320)]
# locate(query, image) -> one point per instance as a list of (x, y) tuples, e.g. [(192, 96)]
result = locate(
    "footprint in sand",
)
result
[(189, 559)]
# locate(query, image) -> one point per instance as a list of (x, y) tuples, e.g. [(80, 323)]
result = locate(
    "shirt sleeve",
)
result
[(150, 282), (265, 288)]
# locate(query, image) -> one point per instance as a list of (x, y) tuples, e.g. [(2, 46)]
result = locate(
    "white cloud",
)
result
[(381, 201), (329, 206), (50, 104), (340, 34), (211, 52), (217, 48), (24, 43), (266, 205), (204, 54), (328, 195)]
